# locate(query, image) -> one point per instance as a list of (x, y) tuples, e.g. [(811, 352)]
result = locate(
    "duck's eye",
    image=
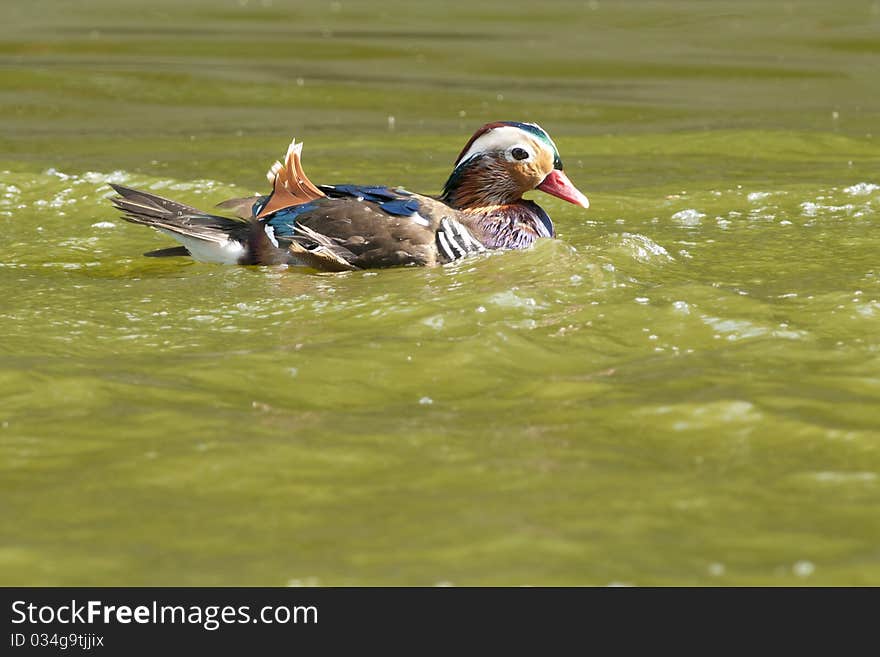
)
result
[(519, 154)]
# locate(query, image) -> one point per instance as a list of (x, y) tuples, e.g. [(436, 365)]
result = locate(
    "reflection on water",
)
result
[(682, 389)]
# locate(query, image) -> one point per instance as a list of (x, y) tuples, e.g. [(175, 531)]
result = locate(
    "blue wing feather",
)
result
[(382, 196), (394, 202), (400, 206)]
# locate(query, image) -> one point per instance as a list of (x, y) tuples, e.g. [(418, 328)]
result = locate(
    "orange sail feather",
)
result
[(290, 184)]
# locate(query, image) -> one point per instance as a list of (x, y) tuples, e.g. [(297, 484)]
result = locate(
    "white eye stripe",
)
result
[(499, 139)]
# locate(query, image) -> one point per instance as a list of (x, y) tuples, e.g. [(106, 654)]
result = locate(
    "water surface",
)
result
[(682, 389)]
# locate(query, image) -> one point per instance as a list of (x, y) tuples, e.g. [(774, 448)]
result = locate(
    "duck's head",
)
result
[(504, 160)]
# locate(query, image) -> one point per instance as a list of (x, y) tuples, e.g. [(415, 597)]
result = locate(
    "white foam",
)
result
[(688, 217), (861, 189), (844, 477), (803, 568), (644, 248), (810, 209)]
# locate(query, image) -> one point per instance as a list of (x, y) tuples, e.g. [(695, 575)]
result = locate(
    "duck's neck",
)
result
[(492, 206), (480, 182)]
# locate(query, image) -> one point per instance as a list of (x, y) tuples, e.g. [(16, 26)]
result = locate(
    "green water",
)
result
[(683, 389)]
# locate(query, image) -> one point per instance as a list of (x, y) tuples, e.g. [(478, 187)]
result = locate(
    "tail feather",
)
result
[(141, 207), (241, 207), (151, 204), (207, 237), (212, 238), (170, 252)]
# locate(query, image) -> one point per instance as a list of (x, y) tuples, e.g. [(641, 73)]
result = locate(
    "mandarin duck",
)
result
[(347, 227)]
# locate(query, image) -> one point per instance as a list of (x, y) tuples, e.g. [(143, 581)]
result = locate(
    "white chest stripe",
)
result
[(455, 241), (444, 245), (465, 238)]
